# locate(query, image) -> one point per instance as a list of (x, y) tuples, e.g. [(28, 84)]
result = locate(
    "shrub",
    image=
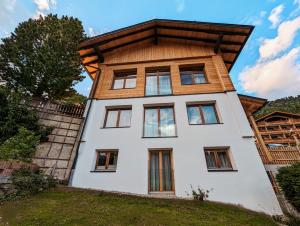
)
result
[(21, 146), (200, 194), (289, 181), (27, 182)]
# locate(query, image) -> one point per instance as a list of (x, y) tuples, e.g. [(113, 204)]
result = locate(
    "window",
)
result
[(159, 122), (202, 114), (191, 75), (161, 171), (158, 82), (106, 160), (217, 159), (117, 118), (124, 80)]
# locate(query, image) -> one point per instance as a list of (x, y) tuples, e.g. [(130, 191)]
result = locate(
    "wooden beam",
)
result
[(213, 41), (224, 50), (88, 54), (155, 36), (218, 43), (99, 54), (91, 62)]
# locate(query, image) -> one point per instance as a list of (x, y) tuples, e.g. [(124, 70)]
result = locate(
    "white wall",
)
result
[(249, 186)]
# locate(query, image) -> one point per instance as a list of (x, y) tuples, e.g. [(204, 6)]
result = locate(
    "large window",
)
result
[(217, 159), (159, 122), (124, 79), (117, 117), (106, 160), (158, 82), (202, 114), (191, 75)]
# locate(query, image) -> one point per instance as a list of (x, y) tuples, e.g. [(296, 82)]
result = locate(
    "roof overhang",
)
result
[(252, 104), (282, 113), (226, 39)]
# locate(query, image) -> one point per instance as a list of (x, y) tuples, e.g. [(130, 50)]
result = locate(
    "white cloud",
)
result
[(274, 17), (43, 6), (297, 3), (91, 32), (180, 5), (286, 33), (254, 20), (274, 78)]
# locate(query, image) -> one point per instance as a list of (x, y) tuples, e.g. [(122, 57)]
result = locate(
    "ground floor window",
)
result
[(217, 159), (160, 171), (106, 160)]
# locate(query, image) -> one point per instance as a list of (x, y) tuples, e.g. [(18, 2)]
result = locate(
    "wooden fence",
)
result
[(65, 109), (281, 155)]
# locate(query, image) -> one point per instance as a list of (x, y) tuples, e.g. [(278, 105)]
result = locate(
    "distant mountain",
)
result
[(287, 104)]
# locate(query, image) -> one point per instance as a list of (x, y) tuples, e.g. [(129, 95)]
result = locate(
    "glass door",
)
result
[(161, 172)]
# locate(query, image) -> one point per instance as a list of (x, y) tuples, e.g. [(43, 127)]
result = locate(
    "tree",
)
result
[(289, 180), (15, 113), (41, 56)]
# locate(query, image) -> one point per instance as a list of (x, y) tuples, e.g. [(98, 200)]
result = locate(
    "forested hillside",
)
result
[(287, 104)]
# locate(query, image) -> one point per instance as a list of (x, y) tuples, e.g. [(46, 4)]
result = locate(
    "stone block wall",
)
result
[(56, 156)]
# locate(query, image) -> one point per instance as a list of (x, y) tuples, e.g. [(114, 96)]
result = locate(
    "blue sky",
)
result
[(269, 65)]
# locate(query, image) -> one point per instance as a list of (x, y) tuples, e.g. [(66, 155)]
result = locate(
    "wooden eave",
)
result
[(252, 104), (281, 113), (225, 39)]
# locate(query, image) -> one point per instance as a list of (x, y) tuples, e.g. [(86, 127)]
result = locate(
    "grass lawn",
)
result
[(65, 206)]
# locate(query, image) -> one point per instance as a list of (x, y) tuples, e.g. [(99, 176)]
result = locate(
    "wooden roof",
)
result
[(281, 113), (252, 104), (226, 39)]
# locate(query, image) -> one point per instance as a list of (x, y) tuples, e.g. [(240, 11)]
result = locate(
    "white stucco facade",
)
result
[(248, 185)]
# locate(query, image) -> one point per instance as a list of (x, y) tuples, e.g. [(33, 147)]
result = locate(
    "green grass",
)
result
[(65, 206)]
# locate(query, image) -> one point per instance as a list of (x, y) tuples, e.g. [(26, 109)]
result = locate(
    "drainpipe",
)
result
[(260, 140), (85, 119)]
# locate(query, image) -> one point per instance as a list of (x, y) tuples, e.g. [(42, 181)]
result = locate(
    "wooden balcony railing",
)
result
[(281, 155)]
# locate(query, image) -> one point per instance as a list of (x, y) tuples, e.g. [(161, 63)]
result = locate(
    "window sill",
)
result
[(218, 123), (158, 95), (222, 170), (103, 171), (160, 137), (115, 127)]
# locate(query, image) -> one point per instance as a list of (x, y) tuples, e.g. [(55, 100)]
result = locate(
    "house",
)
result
[(163, 115), (280, 129)]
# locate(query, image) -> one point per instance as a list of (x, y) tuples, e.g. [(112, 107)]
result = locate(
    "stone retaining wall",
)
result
[(56, 156)]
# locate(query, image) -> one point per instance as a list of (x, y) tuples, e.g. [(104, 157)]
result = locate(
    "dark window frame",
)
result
[(107, 152), (193, 69), (158, 107), (119, 109), (199, 105), (157, 72), (124, 75), (216, 150)]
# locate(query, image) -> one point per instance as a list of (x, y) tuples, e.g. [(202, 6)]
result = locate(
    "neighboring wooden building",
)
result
[(280, 129), (163, 114)]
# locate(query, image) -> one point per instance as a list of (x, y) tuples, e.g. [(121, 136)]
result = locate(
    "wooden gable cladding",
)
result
[(225, 39), (144, 52), (172, 55)]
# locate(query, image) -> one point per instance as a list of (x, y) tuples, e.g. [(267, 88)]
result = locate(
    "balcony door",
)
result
[(160, 171)]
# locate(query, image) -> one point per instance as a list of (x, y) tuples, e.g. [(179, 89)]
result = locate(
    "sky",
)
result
[(268, 67)]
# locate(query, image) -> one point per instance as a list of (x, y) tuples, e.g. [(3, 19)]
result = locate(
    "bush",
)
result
[(200, 194), (289, 181), (27, 182), (21, 146)]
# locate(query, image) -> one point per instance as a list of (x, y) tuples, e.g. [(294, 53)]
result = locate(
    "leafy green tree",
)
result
[(40, 57), (21, 146), (15, 113), (289, 180)]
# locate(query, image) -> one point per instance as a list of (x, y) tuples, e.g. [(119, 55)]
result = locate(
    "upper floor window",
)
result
[(217, 159), (159, 122), (124, 79), (191, 75), (117, 117), (202, 114), (106, 160), (158, 82)]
